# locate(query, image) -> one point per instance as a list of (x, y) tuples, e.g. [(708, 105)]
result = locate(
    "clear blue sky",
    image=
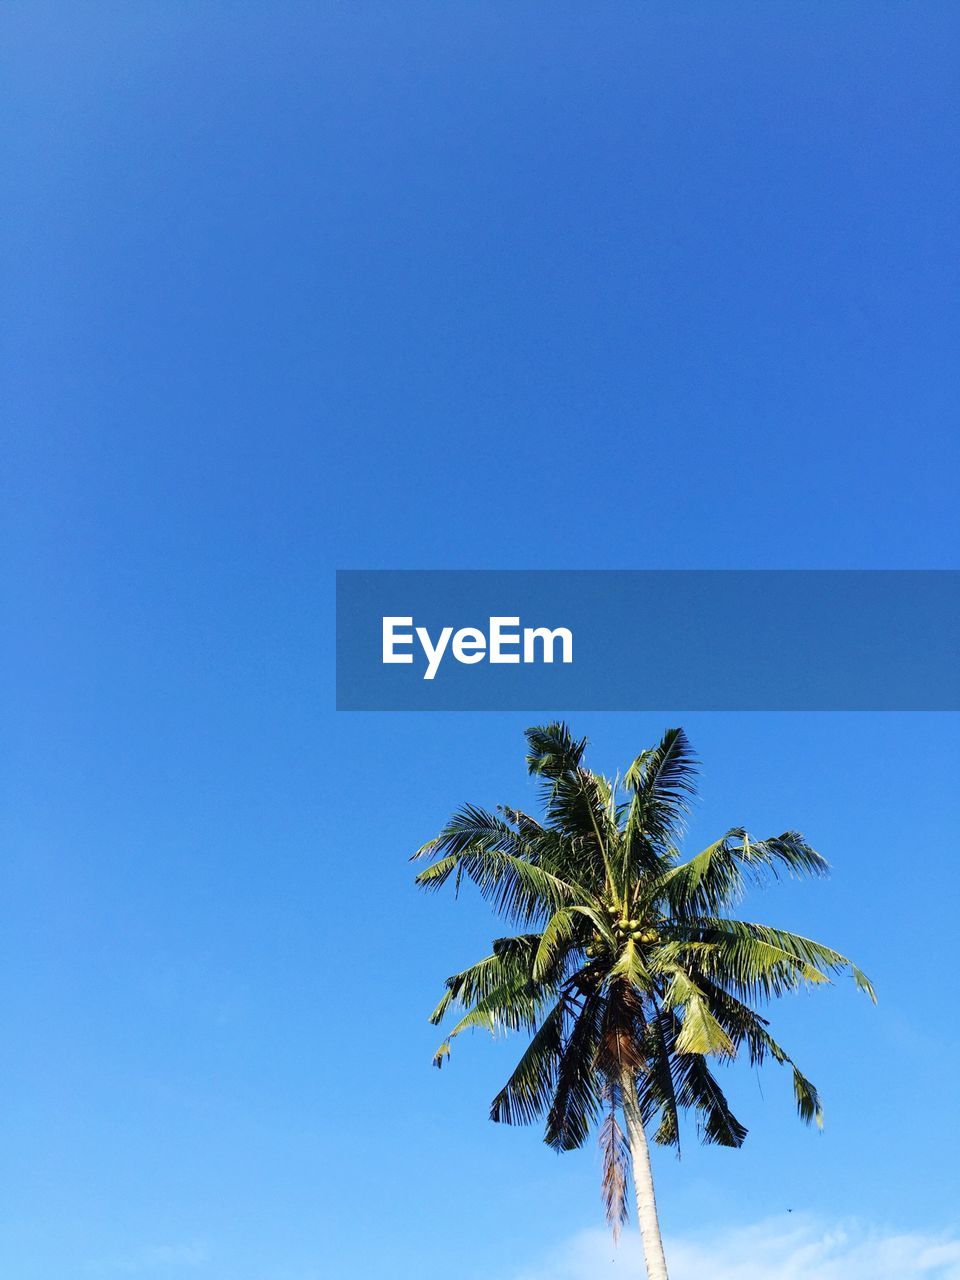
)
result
[(298, 286)]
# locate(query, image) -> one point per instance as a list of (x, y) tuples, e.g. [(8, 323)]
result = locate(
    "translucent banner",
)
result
[(648, 640)]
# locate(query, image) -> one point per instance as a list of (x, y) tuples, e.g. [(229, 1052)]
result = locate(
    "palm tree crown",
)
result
[(630, 973)]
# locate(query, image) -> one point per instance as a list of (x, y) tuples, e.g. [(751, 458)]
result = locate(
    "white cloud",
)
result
[(152, 1259), (789, 1248)]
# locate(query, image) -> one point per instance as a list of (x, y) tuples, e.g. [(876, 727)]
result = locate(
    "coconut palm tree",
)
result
[(629, 973)]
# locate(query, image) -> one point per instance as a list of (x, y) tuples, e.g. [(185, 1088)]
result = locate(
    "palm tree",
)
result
[(630, 973)]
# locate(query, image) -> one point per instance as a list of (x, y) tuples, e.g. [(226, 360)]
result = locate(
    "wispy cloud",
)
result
[(790, 1248), (151, 1260)]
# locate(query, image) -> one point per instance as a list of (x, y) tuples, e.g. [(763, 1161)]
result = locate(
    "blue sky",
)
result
[(298, 287)]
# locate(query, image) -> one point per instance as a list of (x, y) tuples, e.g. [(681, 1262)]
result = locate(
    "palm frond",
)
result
[(566, 930), (576, 802), (510, 963), (656, 1091), (809, 1105), (699, 1090), (615, 1157), (512, 1007), (553, 750), (576, 1096), (746, 965), (700, 1031), (529, 1091), (753, 967), (808, 1099), (720, 874), (630, 964), (473, 827), (517, 889), (663, 780)]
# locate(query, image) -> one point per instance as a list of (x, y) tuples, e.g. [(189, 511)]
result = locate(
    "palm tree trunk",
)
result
[(643, 1186)]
